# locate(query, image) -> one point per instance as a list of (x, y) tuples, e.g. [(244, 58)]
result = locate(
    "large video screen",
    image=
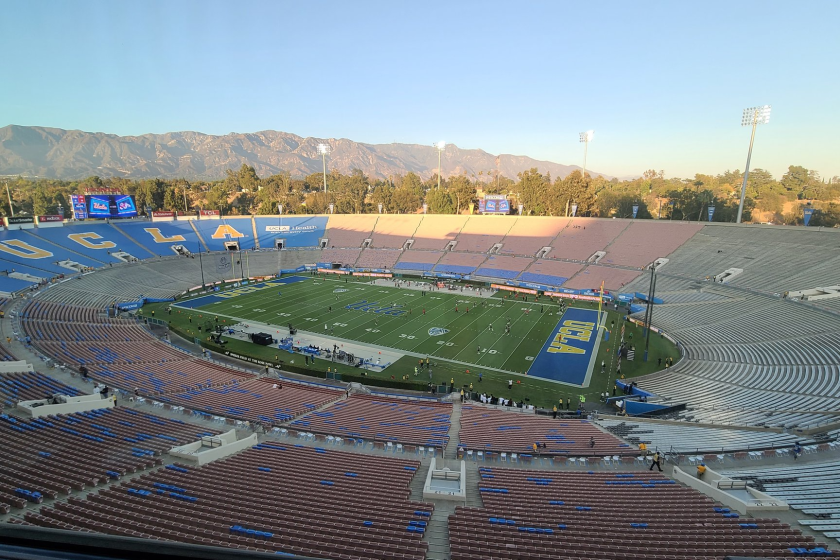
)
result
[(494, 206), (111, 206)]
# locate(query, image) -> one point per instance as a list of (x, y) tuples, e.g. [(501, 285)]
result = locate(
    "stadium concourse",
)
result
[(758, 374)]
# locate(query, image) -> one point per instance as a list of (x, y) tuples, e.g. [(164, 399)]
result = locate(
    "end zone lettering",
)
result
[(569, 351), (571, 330), (248, 289)]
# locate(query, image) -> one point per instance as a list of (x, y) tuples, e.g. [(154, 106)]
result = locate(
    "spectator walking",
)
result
[(656, 462)]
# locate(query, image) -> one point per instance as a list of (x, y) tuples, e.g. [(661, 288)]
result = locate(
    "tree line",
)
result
[(243, 192)]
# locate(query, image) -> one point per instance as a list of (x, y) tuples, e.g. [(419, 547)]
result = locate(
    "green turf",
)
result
[(306, 305)]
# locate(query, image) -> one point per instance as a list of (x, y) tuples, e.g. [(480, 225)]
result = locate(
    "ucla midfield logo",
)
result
[(394, 310), (437, 331), (339, 290)]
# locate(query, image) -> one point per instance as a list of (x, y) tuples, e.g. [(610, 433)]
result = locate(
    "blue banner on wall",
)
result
[(711, 212), (807, 212)]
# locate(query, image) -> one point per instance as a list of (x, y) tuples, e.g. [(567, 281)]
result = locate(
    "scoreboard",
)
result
[(494, 204), (103, 206)]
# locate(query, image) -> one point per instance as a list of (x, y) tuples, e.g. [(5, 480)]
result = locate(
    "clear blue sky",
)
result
[(662, 84)]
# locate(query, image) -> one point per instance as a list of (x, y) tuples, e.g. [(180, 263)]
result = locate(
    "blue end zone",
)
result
[(566, 355), (242, 290)]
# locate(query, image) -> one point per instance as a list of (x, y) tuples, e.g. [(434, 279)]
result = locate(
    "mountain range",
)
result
[(55, 153)]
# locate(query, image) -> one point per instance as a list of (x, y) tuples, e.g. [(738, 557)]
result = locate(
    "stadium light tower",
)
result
[(440, 147), (753, 116), (324, 150), (585, 137)]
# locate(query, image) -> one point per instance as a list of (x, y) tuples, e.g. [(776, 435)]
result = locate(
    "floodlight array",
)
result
[(757, 115)]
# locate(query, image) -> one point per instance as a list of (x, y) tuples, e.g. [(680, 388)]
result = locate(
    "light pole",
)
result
[(9, 196), (585, 137), (752, 116), (440, 147), (201, 264), (324, 150)]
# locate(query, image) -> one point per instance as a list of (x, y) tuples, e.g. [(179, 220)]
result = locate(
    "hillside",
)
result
[(74, 154)]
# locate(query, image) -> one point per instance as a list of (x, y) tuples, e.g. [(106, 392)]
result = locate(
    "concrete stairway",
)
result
[(454, 430), (437, 531)]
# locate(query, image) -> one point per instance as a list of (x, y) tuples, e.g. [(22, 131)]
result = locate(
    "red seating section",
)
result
[(119, 352), (312, 502), (257, 399), (55, 454), (495, 430), (606, 515), (30, 386), (373, 417)]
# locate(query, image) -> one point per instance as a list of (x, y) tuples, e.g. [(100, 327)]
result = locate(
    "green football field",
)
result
[(406, 320), (307, 306)]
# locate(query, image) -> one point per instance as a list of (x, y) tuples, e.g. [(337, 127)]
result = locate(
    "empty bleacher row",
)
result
[(297, 500), (810, 488), (681, 439), (52, 455), (749, 359), (550, 514), (377, 418), (774, 259), (31, 385), (489, 430), (118, 352), (256, 400)]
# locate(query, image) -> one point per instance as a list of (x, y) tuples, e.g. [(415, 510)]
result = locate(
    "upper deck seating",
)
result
[(295, 231), (159, 237), (392, 231), (349, 231), (214, 233), (21, 248), (530, 234), (436, 231), (645, 241), (480, 233), (584, 236), (95, 240)]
